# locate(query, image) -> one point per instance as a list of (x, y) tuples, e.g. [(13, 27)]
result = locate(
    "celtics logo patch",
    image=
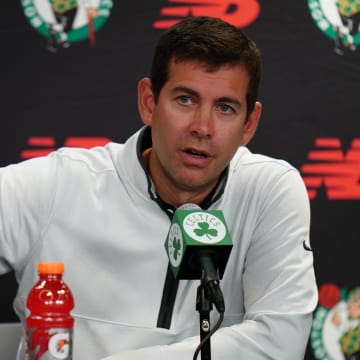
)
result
[(63, 22), (335, 333), (340, 21)]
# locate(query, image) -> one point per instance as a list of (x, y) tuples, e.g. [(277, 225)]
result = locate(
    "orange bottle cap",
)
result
[(50, 268)]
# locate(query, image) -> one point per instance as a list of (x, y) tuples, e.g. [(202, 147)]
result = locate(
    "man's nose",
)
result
[(202, 124)]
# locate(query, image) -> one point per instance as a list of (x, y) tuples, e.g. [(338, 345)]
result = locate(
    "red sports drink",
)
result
[(49, 326)]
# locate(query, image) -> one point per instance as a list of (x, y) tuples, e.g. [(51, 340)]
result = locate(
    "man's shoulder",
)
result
[(262, 175), (246, 159), (100, 158), (96, 159)]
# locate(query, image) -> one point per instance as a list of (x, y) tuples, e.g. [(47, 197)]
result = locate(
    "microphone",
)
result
[(198, 246)]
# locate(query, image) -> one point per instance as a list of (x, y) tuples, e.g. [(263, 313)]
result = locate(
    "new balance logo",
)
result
[(239, 13), (41, 146), (334, 170)]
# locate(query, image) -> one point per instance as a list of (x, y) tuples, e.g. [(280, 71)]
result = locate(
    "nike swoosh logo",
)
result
[(306, 246)]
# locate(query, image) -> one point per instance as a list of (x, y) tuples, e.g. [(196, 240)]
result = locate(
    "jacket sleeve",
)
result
[(26, 194), (278, 284)]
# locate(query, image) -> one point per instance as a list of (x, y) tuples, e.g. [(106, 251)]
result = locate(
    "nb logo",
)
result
[(239, 13), (334, 170), (43, 145)]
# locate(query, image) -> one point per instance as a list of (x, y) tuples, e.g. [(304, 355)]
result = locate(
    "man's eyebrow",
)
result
[(186, 90), (230, 100)]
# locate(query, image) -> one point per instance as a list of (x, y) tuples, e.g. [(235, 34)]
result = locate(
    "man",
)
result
[(106, 212)]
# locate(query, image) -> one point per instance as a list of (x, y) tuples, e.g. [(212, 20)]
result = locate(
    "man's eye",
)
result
[(184, 100), (225, 108)]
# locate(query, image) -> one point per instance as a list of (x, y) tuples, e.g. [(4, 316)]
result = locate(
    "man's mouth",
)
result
[(196, 153)]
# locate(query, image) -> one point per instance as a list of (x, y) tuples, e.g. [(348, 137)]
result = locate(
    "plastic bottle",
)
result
[(49, 326)]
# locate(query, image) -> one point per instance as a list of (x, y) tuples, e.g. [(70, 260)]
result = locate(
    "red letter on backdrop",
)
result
[(239, 13)]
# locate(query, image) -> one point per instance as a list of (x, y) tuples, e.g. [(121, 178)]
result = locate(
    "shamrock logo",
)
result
[(177, 247), (204, 230)]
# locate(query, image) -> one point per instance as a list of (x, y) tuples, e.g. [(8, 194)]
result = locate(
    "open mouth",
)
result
[(196, 153)]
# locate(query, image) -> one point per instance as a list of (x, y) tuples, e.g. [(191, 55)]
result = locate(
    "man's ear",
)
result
[(146, 101), (251, 124)]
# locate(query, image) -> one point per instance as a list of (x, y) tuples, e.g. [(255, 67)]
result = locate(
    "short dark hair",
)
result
[(212, 42)]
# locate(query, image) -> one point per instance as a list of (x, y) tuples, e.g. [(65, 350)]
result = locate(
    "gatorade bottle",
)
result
[(49, 326)]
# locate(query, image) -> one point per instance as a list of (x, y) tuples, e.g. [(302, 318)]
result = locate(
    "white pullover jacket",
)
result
[(92, 210)]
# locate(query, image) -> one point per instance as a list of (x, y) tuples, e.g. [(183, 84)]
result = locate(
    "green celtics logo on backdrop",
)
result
[(63, 22), (335, 333), (340, 21)]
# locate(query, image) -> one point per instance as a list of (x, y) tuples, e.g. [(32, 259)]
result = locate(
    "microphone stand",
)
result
[(204, 306)]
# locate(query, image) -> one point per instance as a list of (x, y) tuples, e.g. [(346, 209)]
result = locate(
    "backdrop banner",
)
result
[(71, 81)]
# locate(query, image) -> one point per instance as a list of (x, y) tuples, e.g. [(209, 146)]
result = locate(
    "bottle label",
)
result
[(48, 344)]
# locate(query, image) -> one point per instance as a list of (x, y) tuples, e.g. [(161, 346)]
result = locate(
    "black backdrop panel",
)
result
[(82, 94)]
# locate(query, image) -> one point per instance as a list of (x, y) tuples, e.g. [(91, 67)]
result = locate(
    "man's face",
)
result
[(197, 124)]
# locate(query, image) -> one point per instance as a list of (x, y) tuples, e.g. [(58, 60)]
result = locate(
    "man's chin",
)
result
[(195, 184)]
